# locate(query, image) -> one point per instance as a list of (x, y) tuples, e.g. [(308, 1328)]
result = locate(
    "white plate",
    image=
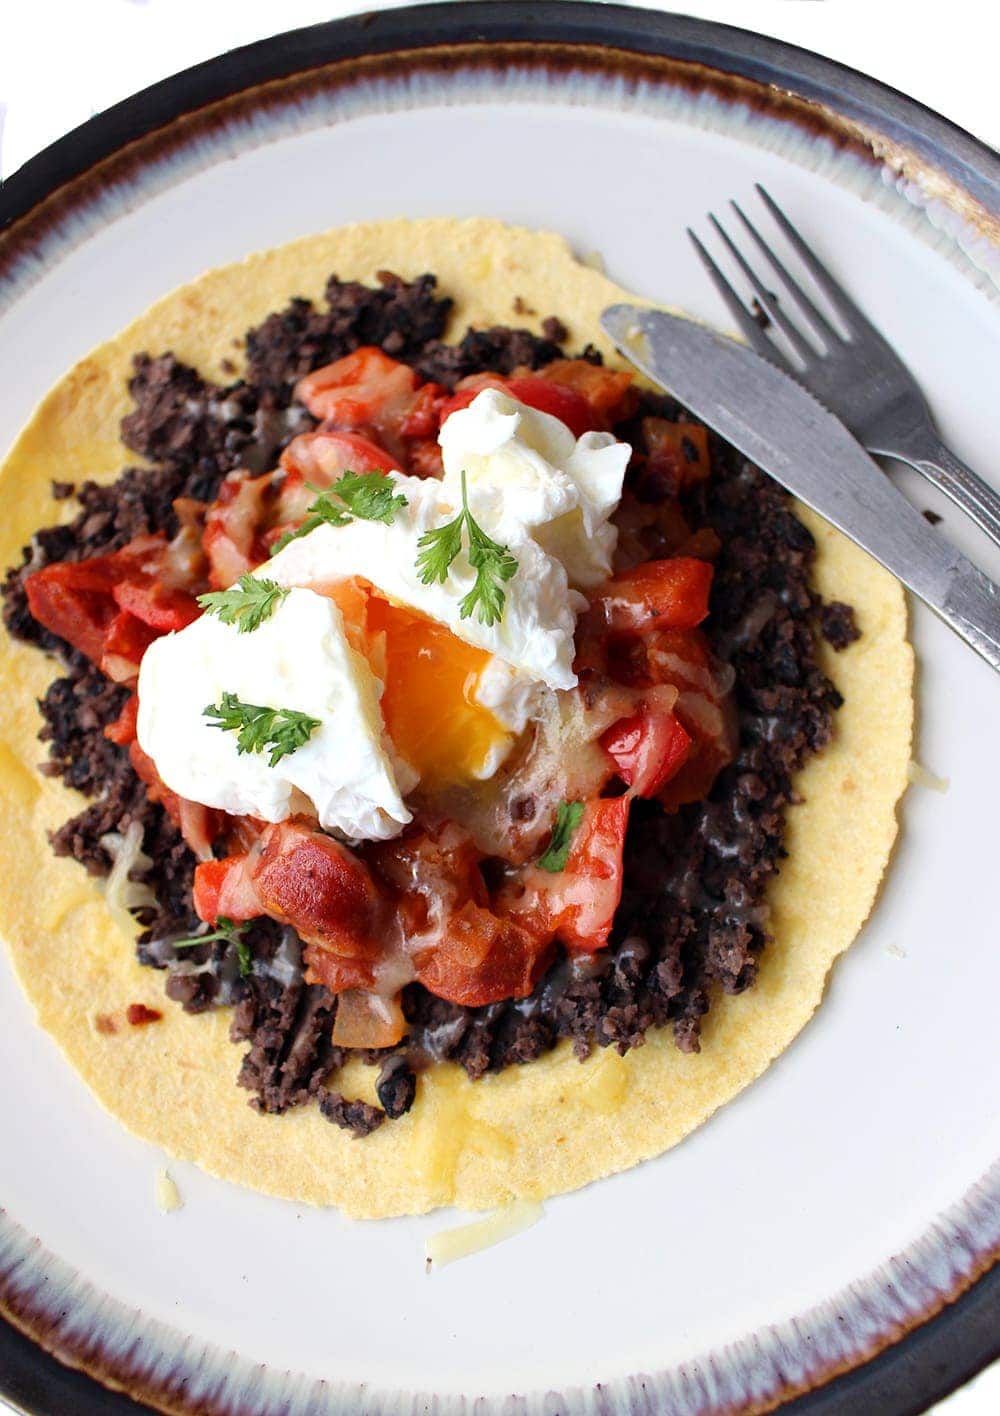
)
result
[(872, 1137)]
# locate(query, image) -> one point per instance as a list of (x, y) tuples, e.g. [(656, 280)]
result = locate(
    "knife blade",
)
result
[(779, 426)]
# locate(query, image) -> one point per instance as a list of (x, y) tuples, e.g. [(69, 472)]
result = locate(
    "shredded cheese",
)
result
[(450, 1244), (921, 777), (122, 894), (168, 1197)]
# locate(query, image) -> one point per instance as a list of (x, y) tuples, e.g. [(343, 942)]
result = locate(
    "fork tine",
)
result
[(855, 320), (801, 345), (755, 336), (819, 320)]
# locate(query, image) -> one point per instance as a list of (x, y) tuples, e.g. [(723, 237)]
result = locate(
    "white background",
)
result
[(63, 60)]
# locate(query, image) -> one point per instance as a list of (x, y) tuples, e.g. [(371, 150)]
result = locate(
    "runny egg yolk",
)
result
[(430, 677)]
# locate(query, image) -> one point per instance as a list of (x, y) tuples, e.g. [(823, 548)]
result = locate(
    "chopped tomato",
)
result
[(111, 607), (199, 825), (122, 730), (677, 455), (561, 400), (232, 538), (157, 605), (648, 750), (661, 594), (125, 643), (546, 395), (578, 903), (479, 957), (73, 599), (472, 956), (431, 870), (682, 658), (310, 881), (424, 458), (423, 419), (224, 888), (466, 390), (364, 390), (609, 393), (318, 459)]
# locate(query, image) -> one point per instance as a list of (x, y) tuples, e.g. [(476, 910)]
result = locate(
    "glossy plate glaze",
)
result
[(853, 1191)]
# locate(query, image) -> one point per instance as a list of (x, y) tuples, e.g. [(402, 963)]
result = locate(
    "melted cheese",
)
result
[(450, 1244)]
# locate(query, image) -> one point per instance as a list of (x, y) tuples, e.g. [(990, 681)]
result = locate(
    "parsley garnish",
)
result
[(569, 814), (492, 563), (247, 604), (369, 496), (284, 730), (229, 931)]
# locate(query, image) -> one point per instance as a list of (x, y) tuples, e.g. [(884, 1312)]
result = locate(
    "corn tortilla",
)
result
[(531, 1131)]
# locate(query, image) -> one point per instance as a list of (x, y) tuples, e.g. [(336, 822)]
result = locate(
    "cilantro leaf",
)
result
[(569, 814), (247, 604), (244, 955), (367, 496), (492, 562), (232, 933), (438, 548), (494, 565), (284, 730), (371, 496)]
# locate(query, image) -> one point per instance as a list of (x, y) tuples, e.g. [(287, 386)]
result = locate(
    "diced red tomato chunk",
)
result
[(364, 391), (224, 888), (480, 957), (310, 881), (232, 538), (578, 903), (558, 399), (122, 730), (610, 394), (157, 605), (111, 607), (660, 594), (198, 824), (648, 749), (677, 454), (548, 396)]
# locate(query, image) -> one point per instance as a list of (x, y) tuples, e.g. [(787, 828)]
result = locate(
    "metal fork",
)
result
[(860, 378)]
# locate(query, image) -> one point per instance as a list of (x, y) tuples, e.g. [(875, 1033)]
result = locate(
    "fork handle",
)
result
[(924, 450)]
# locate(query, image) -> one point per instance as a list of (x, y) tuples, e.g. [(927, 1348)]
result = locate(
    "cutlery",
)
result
[(860, 378), (779, 426)]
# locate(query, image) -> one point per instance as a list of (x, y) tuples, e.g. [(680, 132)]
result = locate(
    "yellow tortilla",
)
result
[(531, 1131)]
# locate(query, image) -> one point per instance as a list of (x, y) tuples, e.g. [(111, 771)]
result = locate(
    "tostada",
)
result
[(454, 750)]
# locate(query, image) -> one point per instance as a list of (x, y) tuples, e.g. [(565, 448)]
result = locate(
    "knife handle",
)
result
[(972, 608)]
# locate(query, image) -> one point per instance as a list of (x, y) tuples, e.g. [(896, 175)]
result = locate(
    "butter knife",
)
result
[(779, 426)]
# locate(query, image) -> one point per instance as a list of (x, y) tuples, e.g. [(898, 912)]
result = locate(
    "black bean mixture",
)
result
[(693, 914)]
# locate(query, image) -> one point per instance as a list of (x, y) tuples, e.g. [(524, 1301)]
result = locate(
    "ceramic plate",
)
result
[(842, 1200)]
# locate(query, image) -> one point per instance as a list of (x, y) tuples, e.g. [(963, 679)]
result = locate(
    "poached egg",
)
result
[(407, 692)]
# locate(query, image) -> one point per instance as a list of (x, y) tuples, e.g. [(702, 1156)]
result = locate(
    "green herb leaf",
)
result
[(371, 496), (247, 604), (569, 814), (492, 562), (283, 730), (494, 565), (243, 953), (229, 931), (367, 496), (438, 548)]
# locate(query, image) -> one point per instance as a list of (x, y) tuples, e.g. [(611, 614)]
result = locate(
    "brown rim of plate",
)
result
[(920, 1360)]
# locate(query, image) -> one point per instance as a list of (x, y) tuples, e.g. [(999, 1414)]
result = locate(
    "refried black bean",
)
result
[(837, 624), (355, 1116), (693, 916)]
